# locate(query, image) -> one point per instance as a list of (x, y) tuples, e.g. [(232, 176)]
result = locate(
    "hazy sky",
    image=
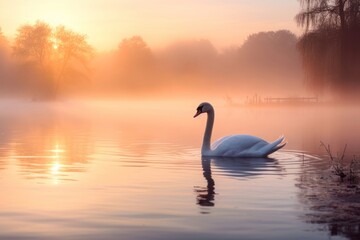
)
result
[(159, 22)]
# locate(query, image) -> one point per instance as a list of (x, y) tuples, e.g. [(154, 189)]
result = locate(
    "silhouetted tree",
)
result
[(50, 56), (33, 48), (4, 61), (135, 63), (34, 43), (330, 45), (191, 57), (1, 35), (3, 46), (71, 51), (266, 62), (270, 52)]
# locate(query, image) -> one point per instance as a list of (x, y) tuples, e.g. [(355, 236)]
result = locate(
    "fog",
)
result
[(266, 64)]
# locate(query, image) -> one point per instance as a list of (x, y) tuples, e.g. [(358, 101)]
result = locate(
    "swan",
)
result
[(234, 145)]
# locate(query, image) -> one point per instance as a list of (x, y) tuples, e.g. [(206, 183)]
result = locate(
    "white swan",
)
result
[(234, 145)]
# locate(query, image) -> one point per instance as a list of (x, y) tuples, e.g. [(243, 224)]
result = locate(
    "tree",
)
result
[(71, 51), (1, 36), (34, 43), (191, 57), (134, 53), (269, 52), (134, 63), (51, 55), (329, 46), (5, 63), (33, 48)]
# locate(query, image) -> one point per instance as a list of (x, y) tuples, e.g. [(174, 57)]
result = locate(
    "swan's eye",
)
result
[(199, 109)]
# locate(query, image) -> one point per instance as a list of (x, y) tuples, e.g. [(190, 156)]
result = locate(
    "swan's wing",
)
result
[(220, 141), (238, 145), (245, 146)]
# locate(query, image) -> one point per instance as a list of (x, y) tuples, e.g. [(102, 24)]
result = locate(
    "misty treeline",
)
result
[(41, 60), (44, 62), (330, 46)]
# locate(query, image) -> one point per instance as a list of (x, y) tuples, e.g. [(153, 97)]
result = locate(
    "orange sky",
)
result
[(159, 22)]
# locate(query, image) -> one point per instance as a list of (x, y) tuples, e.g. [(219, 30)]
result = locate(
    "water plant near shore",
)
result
[(337, 164)]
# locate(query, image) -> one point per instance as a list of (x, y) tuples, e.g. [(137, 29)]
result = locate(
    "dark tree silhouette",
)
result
[(329, 46)]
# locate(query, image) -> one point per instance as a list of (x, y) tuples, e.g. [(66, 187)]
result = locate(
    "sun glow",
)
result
[(172, 21)]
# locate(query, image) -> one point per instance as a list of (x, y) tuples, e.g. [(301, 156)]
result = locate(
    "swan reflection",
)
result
[(246, 168), (205, 195), (240, 168)]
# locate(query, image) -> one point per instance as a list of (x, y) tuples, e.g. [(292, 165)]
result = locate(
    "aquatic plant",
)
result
[(337, 164)]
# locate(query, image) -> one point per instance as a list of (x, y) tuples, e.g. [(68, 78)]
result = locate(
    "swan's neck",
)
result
[(208, 131)]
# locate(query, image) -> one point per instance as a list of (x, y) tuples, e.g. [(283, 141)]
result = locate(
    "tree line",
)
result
[(44, 62), (43, 58)]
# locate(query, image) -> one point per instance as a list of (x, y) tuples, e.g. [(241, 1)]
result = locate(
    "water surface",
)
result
[(133, 170)]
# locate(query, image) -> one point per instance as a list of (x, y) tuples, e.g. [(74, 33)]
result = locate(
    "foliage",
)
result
[(134, 52), (50, 53), (134, 64), (329, 46), (190, 61), (2, 37), (71, 50), (270, 52), (34, 43), (52, 61)]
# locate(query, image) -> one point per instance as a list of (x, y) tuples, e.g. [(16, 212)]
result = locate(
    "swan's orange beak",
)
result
[(197, 113)]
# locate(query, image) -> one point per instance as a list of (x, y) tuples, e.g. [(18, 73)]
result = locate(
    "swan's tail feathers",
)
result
[(277, 147), (274, 146)]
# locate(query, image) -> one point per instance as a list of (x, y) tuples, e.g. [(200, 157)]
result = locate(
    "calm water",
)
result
[(117, 170)]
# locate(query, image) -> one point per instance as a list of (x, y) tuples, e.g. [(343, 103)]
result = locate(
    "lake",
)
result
[(133, 170)]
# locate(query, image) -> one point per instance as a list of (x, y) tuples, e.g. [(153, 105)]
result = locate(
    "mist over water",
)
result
[(108, 167)]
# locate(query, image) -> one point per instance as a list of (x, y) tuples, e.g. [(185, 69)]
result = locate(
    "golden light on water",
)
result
[(55, 166), (55, 170), (57, 150)]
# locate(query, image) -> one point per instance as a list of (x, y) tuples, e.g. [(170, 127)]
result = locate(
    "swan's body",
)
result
[(234, 145)]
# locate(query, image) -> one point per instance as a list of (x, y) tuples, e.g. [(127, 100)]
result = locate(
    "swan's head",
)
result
[(203, 108)]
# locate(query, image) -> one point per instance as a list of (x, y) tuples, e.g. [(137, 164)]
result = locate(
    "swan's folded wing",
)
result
[(238, 145), (220, 141), (245, 146)]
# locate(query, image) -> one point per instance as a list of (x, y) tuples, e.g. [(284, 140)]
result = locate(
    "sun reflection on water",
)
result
[(56, 165)]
